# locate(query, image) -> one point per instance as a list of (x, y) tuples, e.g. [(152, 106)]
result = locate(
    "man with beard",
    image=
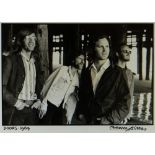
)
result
[(60, 93), (103, 90), (22, 82), (123, 56)]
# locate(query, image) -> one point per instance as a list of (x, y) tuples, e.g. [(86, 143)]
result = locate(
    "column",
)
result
[(42, 34)]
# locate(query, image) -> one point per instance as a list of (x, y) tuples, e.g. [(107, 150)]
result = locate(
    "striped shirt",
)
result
[(28, 90)]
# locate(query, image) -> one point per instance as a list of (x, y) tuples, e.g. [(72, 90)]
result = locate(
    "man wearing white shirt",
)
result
[(60, 93), (103, 90)]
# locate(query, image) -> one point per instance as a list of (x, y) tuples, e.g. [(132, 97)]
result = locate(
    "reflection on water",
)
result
[(141, 109)]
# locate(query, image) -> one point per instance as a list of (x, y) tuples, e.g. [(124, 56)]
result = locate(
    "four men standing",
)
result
[(104, 92)]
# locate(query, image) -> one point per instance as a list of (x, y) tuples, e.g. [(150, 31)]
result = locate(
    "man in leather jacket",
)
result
[(103, 91)]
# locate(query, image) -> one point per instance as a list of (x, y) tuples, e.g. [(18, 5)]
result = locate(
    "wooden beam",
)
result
[(42, 35)]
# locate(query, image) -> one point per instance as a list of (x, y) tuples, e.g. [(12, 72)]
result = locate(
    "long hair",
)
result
[(20, 41)]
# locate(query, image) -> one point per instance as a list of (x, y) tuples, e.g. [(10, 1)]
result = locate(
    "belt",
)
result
[(28, 102)]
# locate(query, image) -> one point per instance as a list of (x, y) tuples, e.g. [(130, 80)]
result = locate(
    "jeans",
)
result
[(54, 116)]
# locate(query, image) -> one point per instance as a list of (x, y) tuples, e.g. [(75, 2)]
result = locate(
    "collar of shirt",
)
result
[(96, 75), (70, 72), (23, 54), (103, 67)]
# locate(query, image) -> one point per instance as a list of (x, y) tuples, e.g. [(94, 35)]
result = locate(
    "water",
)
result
[(141, 109)]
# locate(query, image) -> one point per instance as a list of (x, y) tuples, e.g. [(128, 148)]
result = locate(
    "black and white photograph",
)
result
[(77, 75)]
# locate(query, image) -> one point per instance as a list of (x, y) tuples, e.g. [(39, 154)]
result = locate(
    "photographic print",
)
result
[(77, 77)]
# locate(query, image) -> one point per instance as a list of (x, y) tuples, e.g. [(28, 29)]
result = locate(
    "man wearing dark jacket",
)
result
[(103, 90), (22, 82), (123, 55)]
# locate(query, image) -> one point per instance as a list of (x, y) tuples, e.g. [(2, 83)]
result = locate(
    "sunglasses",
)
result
[(126, 51)]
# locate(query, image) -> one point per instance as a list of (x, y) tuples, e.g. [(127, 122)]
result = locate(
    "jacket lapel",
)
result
[(90, 84), (20, 65), (102, 80)]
